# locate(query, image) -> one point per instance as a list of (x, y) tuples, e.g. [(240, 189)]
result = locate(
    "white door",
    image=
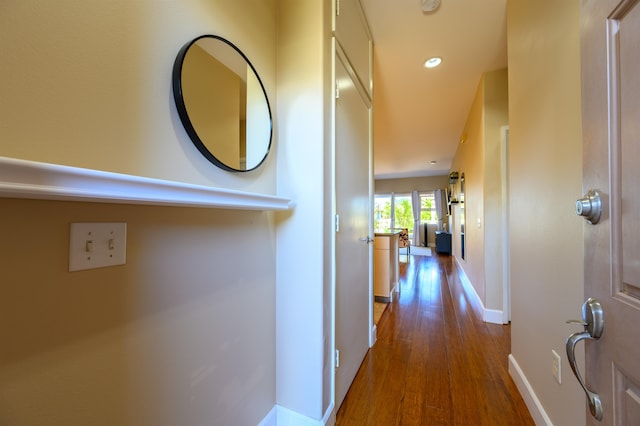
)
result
[(353, 294), (611, 138)]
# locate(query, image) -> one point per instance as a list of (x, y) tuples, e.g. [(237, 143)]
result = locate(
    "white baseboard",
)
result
[(281, 416), (373, 337), (493, 316), (536, 409), (271, 419)]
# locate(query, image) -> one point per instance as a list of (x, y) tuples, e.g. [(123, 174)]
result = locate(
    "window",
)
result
[(428, 213), (403, 213), (382, 213), (395, 211)]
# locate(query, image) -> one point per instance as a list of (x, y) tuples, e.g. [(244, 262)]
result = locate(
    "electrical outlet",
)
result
[(556, 364)]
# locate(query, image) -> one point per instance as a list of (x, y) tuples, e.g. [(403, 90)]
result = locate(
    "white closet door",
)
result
[(353, 294)]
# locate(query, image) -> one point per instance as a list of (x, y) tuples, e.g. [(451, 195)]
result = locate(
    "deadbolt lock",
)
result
[(590, 207)]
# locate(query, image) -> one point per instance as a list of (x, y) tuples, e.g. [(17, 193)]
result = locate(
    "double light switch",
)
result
[(97, 245)]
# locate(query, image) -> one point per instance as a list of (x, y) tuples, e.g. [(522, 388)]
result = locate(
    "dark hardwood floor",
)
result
[(435, 362)]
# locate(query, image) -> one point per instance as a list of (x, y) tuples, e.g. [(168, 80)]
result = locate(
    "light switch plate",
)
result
[(97, 245)]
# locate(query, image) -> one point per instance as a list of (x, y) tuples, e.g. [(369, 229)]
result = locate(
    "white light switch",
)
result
[(96, 245)]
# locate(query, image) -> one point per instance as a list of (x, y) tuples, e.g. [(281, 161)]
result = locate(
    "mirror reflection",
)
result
[(222, 103)]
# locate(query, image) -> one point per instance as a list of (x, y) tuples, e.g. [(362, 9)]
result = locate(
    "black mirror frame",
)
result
[(182, 109)]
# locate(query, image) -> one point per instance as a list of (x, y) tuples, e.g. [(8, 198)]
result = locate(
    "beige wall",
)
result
[(176, 336), (304, 263), (478, 158), (468, 160), (545, 179), (96, 78), (406, 185), (183, 333), (496, 115)]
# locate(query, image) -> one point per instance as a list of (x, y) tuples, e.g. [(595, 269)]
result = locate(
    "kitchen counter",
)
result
[(385, 265)]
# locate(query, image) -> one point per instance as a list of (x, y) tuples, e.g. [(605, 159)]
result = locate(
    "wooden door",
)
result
[(354, 292), (611, 158)]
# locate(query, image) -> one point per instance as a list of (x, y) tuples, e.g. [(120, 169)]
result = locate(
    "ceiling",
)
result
[(420, 113)]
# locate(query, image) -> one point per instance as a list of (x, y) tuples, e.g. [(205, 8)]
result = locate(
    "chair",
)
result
[(403, 240)]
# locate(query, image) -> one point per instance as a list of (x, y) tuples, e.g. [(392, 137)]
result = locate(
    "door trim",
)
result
[(506, 270)]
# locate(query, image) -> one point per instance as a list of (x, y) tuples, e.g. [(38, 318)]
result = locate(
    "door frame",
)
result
[(506, 271)]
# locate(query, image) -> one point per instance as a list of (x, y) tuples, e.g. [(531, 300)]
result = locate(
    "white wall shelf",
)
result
[(35, 180)]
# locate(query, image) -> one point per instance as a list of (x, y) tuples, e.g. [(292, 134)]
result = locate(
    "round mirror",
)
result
[(222, 103)]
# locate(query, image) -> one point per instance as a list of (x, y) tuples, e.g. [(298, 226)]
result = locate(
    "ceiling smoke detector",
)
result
[(430, 5)]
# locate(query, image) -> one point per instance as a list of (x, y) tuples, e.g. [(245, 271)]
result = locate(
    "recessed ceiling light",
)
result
[(432, 162), (433, 62)]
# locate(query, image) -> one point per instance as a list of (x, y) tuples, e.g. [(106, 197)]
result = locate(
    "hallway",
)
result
[(435, 362)]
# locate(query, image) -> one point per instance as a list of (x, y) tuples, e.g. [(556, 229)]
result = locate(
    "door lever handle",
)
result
[(595, 404), (366, 240), (593, 323)]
